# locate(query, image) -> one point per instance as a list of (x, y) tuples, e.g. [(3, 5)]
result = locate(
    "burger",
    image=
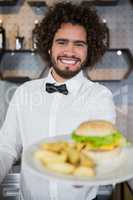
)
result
[(101, 140)]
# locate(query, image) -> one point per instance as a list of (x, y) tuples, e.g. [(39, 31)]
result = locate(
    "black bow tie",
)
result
[(53, 88)]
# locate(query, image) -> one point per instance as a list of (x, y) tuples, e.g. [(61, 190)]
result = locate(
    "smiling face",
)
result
[(68, 52)]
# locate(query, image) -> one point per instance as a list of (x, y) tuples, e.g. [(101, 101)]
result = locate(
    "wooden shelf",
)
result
[(107, 72), (116, 65), (18, 75), (14, 51), (37, 3), (106, 2), (131, 2), (8, 2), (95, 2), (40, 3), (17, 51)]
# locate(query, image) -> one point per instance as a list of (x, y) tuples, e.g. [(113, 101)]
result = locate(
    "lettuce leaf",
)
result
[(98, 141)]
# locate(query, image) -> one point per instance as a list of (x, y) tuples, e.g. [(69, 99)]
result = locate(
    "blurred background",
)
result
[(20, 62)]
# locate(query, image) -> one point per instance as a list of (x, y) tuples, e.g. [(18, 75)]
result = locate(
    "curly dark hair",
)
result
[(81, 14)]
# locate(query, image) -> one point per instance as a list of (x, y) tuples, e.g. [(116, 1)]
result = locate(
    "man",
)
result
[(71, 38)]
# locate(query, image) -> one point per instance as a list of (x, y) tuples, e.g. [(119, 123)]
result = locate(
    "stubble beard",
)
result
[(66, 73)]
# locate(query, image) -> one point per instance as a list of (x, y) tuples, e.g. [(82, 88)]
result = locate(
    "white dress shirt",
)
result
[(34, 114)]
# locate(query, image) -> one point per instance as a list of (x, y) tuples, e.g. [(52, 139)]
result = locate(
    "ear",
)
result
[(49, 52)]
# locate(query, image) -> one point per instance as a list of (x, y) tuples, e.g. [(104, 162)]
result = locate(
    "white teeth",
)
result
[(68, 61)]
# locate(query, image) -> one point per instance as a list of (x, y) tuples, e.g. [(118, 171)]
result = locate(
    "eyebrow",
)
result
[(74, 41)]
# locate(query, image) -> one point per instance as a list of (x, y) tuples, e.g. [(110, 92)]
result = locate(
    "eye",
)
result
[(61, 42), (80, 45)]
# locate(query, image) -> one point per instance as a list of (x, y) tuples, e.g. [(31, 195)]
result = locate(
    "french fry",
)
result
[(64, 145), (39, 154), (86, 161), (80, 146), (84, 171), (88, 146), (55, 147), (73, 156), (50, 157), (66, 158), (64, 168), (72, 145)]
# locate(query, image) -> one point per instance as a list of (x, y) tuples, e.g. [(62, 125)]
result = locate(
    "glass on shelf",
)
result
[(34, 33), (2, 36), (19, 42)]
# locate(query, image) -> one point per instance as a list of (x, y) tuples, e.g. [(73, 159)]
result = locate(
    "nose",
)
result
[(70, 49)]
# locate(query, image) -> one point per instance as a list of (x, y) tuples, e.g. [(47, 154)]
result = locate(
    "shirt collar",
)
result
[(72, 84)]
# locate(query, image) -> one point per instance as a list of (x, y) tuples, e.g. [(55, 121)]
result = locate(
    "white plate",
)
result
[(120, 172)]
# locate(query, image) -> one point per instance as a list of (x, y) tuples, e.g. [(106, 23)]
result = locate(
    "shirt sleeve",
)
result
[(10, 138), (103, 105)]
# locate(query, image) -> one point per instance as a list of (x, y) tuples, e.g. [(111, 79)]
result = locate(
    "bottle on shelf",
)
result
[(19, 40), (107, 41), (2, 36), (34, 31)]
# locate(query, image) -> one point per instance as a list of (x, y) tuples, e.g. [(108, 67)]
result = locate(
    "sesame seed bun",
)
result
[(96, 128)]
